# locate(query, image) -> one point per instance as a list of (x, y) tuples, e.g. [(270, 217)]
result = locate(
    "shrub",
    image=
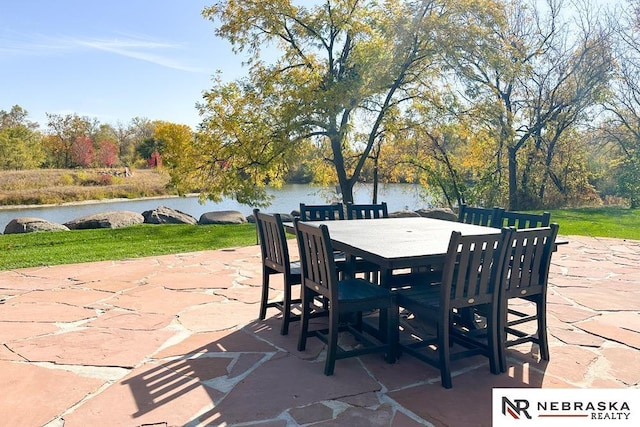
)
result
[(104, 179), (66, 179)]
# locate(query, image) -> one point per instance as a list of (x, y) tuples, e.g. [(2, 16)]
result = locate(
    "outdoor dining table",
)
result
[(398, 243)]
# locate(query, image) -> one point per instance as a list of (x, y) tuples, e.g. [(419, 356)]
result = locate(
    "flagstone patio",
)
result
[(174, 341)]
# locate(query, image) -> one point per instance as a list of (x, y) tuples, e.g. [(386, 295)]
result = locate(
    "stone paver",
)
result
[(174, 340)]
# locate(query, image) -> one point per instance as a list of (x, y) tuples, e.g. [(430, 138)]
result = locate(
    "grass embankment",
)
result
[(69, 247), (53, 186)]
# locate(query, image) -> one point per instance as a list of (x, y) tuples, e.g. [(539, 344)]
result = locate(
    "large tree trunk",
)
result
[(346, 184)]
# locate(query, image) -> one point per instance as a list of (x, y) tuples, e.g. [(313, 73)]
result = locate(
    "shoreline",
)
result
[(90, 202)]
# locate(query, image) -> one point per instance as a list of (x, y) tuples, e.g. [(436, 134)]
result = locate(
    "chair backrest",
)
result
[(529, 258), (521, 220), (473, 269), (317, 263), (362, 211), (321, 212), (489, 217), (273, 242)]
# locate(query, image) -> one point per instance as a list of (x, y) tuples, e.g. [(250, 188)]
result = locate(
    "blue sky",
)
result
[(111, 60)]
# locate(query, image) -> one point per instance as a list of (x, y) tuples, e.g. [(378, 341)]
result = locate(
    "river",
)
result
[(287, 199)]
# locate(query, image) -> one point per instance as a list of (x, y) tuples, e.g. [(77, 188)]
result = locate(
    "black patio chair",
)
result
[(321, 212), (480, 216), (367, 211), (275, 260), (527, 278), (470, 279), (345, 298), (520, 220)]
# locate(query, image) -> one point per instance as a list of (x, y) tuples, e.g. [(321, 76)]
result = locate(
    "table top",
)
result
[(396, 243)]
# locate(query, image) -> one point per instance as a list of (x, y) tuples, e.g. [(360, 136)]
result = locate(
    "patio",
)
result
[(173, 341)]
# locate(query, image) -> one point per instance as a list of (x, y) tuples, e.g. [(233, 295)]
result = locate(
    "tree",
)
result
[(65, 131), (623, 122), (82, 152), (20, 142), (537, 75), (345, 67), (107, 154)]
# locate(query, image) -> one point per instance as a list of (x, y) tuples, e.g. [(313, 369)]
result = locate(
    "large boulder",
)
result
[(29, 225), (165, 215), (222, 217), (438, 213), (114, 219), (403, 214)]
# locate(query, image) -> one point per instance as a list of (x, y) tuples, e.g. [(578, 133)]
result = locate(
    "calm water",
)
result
[(287, 199)]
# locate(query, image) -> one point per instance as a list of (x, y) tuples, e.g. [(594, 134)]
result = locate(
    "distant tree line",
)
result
[(73, 141)]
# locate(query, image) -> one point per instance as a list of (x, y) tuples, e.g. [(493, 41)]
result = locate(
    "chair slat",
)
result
[(321, 212), (367, 211), (488, 217)]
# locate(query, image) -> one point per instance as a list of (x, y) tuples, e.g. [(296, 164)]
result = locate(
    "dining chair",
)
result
[(367, 211), (470, 278), (321, 212), (521, 220), (489, 217), (345, 297), (526, 278), (275, 260)]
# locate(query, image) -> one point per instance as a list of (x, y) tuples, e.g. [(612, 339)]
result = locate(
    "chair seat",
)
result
[(421, 300), (360, 290), (417, 278)]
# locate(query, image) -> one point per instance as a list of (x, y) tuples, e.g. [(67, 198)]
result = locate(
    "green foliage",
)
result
[(629, 179), (344, 70), (68, 247), (20, 146)]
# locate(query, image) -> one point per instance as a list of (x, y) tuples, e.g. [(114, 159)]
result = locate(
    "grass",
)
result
[(43, 249), (615, 222), (75, 246), (52, 186)]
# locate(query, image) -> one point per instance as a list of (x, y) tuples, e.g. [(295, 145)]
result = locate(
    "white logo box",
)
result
[(565, 407)]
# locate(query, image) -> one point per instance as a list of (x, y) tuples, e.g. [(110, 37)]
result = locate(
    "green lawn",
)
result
[(68, 247), (614, 222)]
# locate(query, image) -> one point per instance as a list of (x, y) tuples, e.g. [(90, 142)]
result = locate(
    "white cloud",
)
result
[(131, 47)]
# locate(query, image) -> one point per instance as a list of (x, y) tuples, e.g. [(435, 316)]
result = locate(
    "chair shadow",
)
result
[(214, 368), (205, 374), (184, 373)]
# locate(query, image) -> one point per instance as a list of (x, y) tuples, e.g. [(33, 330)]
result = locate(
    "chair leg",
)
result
[(306, 299), (543, 341), (493, 342), (393, 320), (286, 308), (444, 352), (265, 294), (502, 334), (332, 342)]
